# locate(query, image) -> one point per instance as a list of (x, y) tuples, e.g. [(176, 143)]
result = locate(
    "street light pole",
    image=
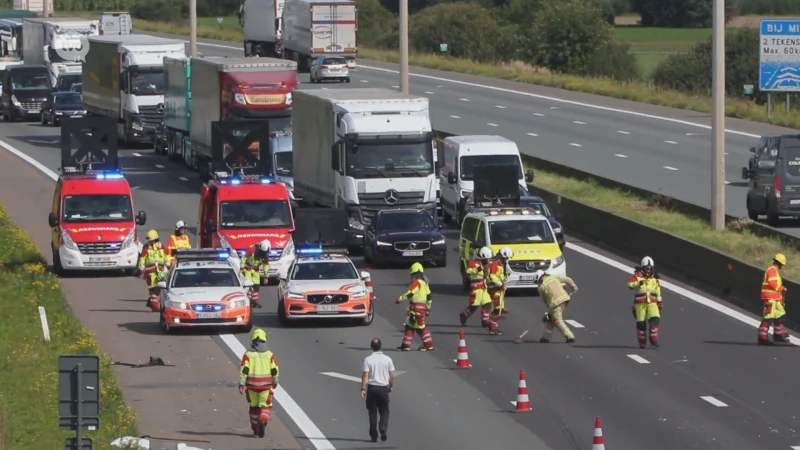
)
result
[(718, 118), (192, 27), (404, 46)]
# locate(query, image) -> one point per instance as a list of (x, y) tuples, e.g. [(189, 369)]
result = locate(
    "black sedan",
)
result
[(537, 203), (404, 236)]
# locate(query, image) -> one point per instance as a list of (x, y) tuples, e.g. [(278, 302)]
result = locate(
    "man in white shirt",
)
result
[(377, 381)]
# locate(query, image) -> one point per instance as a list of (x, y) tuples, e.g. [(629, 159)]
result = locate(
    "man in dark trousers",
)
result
[(377, 381)]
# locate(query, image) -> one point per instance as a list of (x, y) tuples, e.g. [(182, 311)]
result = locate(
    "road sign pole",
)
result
[(718, 119), (79, 405), (404, 46)]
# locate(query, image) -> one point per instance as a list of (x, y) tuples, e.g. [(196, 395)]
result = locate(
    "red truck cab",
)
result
[(238, 212), (93, 223)]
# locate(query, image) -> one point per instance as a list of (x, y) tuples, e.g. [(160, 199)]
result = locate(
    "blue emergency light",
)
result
[(202, 254), (224, 178), (75, 172), (310, 251), (275, 252), (317, 248)]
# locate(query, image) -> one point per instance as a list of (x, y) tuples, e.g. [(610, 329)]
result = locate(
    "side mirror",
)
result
[(248, 283), (752, 149), (335, 156), (162, 284), (141, 218), (451, 178), (365, 275), (747, 173), (211, 226), (294, 204), (440, 227), (529, 176), (52, 219), (282, 280), (437, 168)]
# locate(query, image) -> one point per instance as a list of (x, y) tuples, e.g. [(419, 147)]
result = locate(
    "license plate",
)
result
[(414, 253), (794, 202), (77, 115), (209, 315), (327, 308), (333, 70), (526, 277), (99, 258)]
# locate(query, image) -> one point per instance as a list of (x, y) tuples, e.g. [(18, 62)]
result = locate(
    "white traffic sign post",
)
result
[(779, 63)]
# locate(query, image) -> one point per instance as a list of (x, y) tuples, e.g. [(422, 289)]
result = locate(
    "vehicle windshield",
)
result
[(65, 82), (539, 206), (323, 271), (334, 61), (790, 152), (72, 98), (97, 208), (468, 164), (256, 214), (405, 221), (77, 87), (189, 278), (509, 232), (30, 79), (147, 81), (372, 160), (283, 164)]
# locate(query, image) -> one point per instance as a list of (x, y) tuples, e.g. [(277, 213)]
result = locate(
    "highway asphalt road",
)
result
[(640, 149), (708, 387)]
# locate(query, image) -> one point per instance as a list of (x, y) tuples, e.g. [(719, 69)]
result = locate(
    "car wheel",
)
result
[(58, 269), (163, 324), (282, 318), (750, 213), (367, 321), (347, 80)]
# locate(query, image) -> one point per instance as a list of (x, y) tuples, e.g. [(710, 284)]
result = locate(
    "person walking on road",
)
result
[(258, 377), (377, 381), (773, 297), (477, 271), (419, 296), (498, 274), (254, 264), (647, 302), (555, 298)]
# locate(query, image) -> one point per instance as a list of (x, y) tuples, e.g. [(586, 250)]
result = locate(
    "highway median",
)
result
[(29, 364)]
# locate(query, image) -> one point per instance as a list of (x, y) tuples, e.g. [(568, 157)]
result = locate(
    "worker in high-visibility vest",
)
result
[(647, 301), (477, 271), (258, 377), (153, 267), (496, 282), (178, 240), (420, 301), (773, 298)]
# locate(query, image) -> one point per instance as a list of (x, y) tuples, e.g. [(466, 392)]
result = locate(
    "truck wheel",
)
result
[(772, 217), (284, 321), (58, 269), (347, 80), (750, 213)]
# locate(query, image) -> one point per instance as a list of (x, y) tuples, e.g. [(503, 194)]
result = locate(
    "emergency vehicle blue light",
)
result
[(275, 252), (241, 252), (224, 255), (110, 176), (234, 181), (310, 251)]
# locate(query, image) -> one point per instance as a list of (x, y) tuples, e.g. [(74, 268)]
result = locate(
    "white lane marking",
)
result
[(693, 134), (713, 401), (514, 403), (671, 142), (137, 154), (533, 134), (159, 166), (554, 107), (499, 107), (456, 117), (37, 141), (364, 81), (622, 132), (492, 124), (183, 178), (575, 145), (727, 182), (670, 168), (579, 122), (429, 92), (291, 407), (574, 323), (396, 87), (638, 359), (529, 94), (620, 155), (796, 447), (341, 376), (538, 114), (464, 99)]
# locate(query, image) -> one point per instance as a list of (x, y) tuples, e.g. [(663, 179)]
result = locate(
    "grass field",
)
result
[(653, 45), (29, 365)]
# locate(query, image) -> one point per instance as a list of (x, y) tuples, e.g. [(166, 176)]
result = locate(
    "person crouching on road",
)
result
[(420, 301), (258, 376), (477, 270), (555, 298), (255, 264), (153, 264), (773, 297), (178, 240), (498, 274), (647, 302)]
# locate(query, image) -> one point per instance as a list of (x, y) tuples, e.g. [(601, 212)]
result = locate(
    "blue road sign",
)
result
[(779, 64)]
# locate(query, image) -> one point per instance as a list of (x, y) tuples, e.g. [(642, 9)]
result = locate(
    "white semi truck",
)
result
[(261, 21), (50, 41), (123, 78), (363, 150), (317, 28)]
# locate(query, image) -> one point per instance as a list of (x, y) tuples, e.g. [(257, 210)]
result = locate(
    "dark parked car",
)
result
[(404, 236), (62, 105)]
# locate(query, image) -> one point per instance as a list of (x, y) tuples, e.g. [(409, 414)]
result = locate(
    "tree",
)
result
[(377, 27), (468, 29)]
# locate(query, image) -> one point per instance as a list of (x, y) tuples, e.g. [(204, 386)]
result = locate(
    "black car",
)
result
[(538, 204), (60, 105), (160, 140), (404, 236)]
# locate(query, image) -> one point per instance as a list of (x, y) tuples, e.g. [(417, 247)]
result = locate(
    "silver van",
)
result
[(114, 23), (774, 174)]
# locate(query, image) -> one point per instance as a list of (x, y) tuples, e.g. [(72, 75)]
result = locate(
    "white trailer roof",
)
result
[(329, 2), (134, 39), (374, 100)]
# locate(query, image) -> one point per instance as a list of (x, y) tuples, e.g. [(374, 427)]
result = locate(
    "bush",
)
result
[(613, 60), (376, 25), (159, 10), (469, 30), (767, 7), (674, 13)]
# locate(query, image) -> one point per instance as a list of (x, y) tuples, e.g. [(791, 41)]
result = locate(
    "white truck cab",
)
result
[(460, 155)]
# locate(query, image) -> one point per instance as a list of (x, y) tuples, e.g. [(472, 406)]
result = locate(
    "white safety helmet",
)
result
[(647, 262), (485, 253), (264, 245), (506, 252), (180, 224), (538, 275)]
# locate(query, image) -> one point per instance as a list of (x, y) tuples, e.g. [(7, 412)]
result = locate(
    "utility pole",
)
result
[(718, 118), (193, 28), (404, 46), (46, 10)]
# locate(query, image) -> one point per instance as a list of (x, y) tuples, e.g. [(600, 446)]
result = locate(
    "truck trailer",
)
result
[(56, 43), (35, 6), (363, 150), (123, 78), (317, 28), (261, 23), (205, 90)]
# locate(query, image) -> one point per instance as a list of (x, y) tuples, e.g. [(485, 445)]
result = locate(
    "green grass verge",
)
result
[(651, 46), (639, 92), (29, 365)]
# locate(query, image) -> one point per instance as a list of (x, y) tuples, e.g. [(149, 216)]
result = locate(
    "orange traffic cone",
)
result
[(523, 403), (599, 442), (462, 362)]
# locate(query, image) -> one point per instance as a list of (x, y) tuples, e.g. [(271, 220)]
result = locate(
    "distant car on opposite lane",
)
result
[(404, 236)]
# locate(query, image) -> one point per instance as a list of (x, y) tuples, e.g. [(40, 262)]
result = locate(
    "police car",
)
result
[(529, 234), (323, 283), (204, 289)]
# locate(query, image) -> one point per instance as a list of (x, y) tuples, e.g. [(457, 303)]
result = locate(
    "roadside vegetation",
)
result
[(29, 365)]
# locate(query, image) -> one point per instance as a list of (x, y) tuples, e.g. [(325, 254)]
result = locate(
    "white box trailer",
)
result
[(36, 6), (261, 21), (56, 43), (316, 28)]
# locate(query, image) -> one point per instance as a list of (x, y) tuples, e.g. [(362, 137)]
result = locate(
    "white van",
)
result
[(460, 155), (115, 23)]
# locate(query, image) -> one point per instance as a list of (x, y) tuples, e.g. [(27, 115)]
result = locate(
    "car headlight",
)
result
[(288, 99), (68, 242), (295, 296), (172, 304), (129, 239), (557, 230), (59, 113), (288, 250), (557, 262), (239, 98), (15, 101), (359, 294), (439, 242), (238, 304), (383, 244)]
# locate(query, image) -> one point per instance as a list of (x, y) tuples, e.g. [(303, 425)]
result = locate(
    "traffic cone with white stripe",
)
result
[(523, 403), (462, 362), (599, 443), (368, 284)]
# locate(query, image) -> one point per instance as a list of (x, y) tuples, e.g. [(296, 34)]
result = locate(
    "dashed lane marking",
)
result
[(638, 359), (693, 134), (159, 166), (579, 122), (533, 134), (622, 132), (396, 87), (620, 155), (429, 92), (727, 182), (714, 401), (575, 145), (554, 107), (137, 154), (464, 99), (364, 81), (456, 117), (671, 142), (538, 114), (670, 168), (183, 178), (341, 376), (574, 323), (492, 124), (500, 106)]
